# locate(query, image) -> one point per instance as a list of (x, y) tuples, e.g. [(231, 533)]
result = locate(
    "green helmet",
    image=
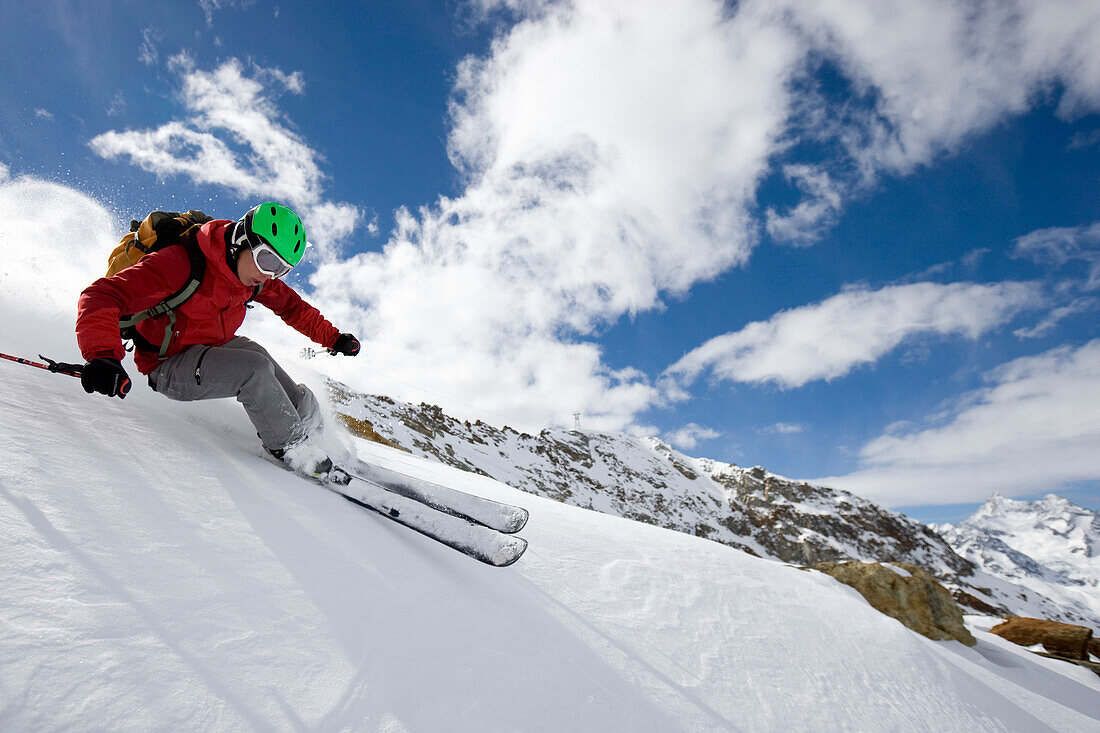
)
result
[(278, 226)]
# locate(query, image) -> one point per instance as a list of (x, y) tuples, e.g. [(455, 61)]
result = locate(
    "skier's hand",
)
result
[(345, 344), (169, 228), (105, 376)]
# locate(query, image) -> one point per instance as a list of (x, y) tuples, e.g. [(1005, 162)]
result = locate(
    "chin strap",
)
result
[(235, 243)]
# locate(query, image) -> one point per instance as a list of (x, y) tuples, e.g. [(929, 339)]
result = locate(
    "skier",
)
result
[(200, 356)]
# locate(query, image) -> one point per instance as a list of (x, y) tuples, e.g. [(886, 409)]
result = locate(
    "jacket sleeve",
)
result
[(140, 286), (297, 313)]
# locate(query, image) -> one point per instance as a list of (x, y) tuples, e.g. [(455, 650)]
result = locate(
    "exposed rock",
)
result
[(1064, 640), (805, 524), (912, 596), (1094, 647), (364, 429)]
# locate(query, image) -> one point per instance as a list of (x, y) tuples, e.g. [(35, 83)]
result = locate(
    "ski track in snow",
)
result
[(157, 574)]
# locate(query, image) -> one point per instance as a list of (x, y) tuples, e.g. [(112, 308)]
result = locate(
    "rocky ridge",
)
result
[(645, 479)]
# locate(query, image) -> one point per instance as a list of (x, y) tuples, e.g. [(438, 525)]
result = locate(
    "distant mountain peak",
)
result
[(1050, 545)]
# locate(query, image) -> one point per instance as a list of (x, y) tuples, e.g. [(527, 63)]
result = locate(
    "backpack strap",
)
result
[(128, 324)]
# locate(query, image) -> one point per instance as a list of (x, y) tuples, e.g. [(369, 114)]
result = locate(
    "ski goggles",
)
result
[(269, 262), (265, 257)]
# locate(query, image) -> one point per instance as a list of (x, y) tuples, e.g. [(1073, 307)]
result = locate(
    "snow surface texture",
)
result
[(1051, 546), (158, 574)]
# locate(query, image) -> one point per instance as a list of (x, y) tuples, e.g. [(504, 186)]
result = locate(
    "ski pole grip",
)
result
[(60, 367)]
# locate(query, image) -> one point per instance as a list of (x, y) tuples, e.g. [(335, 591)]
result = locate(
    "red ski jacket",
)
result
[(210, 317)]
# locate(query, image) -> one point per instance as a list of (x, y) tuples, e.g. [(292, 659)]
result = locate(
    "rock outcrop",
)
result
[(905, 592), (1064, 640)]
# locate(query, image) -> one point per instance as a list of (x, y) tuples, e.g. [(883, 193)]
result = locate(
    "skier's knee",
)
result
[(257, 362), (254, 368)]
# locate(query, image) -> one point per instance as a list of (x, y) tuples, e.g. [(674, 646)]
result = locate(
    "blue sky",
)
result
[(850, 240)]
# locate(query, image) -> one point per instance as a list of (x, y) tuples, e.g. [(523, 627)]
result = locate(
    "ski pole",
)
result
[(60, 367), (57, 367)]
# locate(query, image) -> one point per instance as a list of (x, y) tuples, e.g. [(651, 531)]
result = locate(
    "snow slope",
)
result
[(157, 574)]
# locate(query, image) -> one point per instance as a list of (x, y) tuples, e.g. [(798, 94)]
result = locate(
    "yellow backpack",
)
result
[(158, 230)]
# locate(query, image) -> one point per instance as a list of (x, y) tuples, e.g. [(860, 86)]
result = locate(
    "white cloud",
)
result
[(649, 155), (688, 437), (973, 258), (1083, 140), (328, 222), (783, 428), (231, 110), (805, 223), (941, 71), (1061, 245), (43, 114), (611, 155), (118, 105), (1057, 315), (147, 51), (525, 8), (209, 7), (1063, 249), (858, 326), (927, 77), (1034, 428)]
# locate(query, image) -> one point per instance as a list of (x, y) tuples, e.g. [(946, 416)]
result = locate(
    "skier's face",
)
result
[(247, 271)]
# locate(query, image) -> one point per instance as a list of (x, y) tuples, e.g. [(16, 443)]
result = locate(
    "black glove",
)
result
[(105, 376), (345, 344), (169, 228)]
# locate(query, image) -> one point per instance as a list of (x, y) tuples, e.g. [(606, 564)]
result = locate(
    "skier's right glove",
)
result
[(345, 344), (105, 376)]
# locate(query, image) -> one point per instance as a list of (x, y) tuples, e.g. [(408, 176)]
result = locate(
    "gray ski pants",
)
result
[(283, 412)]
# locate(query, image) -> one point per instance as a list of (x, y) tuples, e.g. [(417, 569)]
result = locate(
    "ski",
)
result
[(447, 527), (470, 538), (504, 518)]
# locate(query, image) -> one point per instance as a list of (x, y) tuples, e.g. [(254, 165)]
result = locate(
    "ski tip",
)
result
[(510, 554), (520, 521)]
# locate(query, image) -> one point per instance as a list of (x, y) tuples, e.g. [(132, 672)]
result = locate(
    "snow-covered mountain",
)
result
[(158, 574), (647, 480), (1050, 547), (748, 508)]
